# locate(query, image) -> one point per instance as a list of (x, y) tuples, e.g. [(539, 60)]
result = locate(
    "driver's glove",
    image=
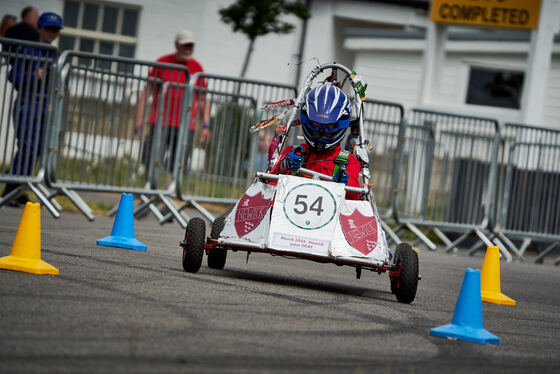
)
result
[(341, 176), (361, 85), (292, 161)]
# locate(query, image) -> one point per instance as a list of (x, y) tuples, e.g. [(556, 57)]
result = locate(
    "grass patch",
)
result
[(98, 208)]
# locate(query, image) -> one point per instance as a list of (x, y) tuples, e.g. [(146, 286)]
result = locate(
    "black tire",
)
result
[(193, 248), (217, 255), (392, 279), (405, 286)]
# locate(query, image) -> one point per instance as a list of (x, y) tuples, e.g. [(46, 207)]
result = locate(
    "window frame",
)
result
[(98, 36), (496, 66)]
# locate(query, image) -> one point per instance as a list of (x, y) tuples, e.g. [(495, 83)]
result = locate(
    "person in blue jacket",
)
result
[(29, 77)]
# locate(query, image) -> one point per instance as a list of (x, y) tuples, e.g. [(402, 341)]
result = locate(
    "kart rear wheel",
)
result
[(217, 255), (193, 247), (405, 284), (395, 280)]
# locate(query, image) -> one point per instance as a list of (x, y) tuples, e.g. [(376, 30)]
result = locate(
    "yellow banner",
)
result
[(519, 14)]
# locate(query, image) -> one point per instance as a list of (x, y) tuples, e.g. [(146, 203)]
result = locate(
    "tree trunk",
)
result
[(247, 57)]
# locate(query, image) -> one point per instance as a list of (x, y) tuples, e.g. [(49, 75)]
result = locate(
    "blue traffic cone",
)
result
[(467, 318), (122, 235)]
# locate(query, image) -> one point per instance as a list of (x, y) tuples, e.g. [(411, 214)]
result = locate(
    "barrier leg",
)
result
[(13, 194), (173, 212), (457, 241), (44, 200), (526, 243), (509, 244), (209, 216), (146, 203), (441, 236), (431, 246), (483, 237), (392, 235), (50, 195), (541, 256), (113, 211), (485, 242), (399, 229), (78, 203), (503, 250), (476, 247)]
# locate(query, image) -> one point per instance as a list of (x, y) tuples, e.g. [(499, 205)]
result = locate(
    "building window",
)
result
[(99, 27), (495, 87)]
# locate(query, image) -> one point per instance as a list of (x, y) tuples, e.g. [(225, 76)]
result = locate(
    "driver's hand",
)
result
[(341, 176), (292, 161)]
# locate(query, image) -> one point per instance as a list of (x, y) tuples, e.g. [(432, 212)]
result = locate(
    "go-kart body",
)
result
[(307, 215), (307, 218)]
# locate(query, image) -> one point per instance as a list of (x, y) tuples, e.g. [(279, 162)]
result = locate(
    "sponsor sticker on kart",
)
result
[(250, 217), (309, 206), (299, 243), (249, 212), (359, 233), (305, 215)]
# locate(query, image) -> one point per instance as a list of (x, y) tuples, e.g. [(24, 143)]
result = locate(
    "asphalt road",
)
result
[(116, 310)]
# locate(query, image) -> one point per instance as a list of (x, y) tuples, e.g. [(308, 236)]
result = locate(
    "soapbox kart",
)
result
[(308, 216)]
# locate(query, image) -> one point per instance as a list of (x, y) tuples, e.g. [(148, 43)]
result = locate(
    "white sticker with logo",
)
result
[(250, 217), (300, 244), (358, 233), (305, 213), (309, 206)]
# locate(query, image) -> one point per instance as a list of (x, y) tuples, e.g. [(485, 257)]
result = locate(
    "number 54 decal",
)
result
[(309, 206), (314, 207)]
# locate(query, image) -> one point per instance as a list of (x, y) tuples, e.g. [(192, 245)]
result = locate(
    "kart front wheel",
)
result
[(217, 255), (404, 281), (193, 246)]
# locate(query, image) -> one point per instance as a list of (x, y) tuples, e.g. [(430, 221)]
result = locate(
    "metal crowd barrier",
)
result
[(219, 171), (90, 125), (108, 135), (529, 208), (382, 121), (27, 86), (446, 176)]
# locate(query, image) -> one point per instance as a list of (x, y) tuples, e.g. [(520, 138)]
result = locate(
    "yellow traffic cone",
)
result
[(490, 278), (26, 250)]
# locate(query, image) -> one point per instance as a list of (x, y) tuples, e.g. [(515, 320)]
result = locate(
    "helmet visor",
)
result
[(327, 128), (323, 132)]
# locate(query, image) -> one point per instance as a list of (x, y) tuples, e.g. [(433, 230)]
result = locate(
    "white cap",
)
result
[(184, 37)]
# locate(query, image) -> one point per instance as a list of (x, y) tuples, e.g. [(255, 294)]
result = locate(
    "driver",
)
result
[(325, 118)]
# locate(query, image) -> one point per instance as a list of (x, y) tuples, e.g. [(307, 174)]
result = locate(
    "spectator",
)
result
[(27, 28), (184, 48), (30, 80), (8, 21)]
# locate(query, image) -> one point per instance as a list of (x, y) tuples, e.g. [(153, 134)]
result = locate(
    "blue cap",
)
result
[(50, 19)]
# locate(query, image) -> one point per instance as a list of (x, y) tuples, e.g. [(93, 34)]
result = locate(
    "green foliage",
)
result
[(109, 171), (260, 17), (203, 184), (255, 18)]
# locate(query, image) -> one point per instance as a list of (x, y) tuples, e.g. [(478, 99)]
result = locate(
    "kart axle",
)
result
[(211, 243)]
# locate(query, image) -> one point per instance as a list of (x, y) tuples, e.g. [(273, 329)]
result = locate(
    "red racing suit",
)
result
[(323, 162)]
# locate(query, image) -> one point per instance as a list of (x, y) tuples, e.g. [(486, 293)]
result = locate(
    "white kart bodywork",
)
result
[(307, 216)]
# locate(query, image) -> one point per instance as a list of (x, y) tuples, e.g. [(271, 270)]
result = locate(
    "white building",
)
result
[(382, 40)]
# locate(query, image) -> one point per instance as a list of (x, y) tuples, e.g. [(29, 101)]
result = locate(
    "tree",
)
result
[(255, 18)]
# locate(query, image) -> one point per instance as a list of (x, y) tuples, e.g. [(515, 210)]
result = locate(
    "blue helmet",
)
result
[(325, 117)]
